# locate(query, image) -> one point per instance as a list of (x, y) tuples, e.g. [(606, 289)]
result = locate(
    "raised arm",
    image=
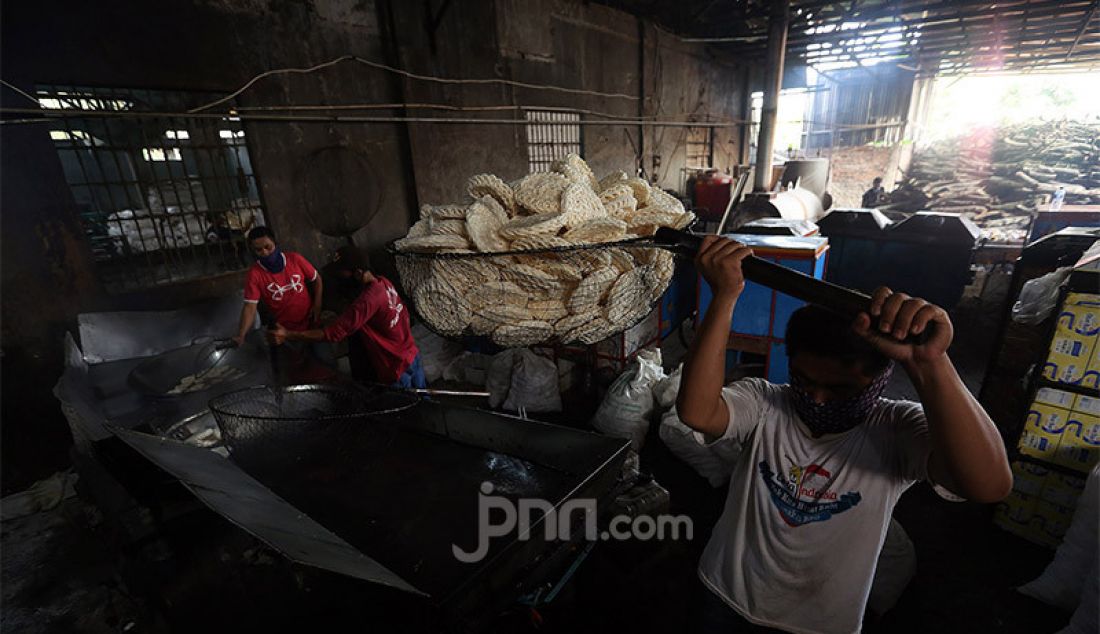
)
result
[(968, 456), (699, 403)]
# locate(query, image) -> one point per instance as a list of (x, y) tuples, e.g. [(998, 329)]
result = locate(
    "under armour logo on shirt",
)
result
[(395, 305), (277, 291)]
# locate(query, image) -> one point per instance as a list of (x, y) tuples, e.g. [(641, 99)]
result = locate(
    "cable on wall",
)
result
[(405, 73)]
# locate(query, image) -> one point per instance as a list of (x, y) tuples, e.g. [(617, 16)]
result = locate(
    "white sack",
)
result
[(628, 405), (534, 384)]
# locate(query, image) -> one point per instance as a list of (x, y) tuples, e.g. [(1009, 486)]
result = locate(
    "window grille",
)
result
[(551, 134), (160, 199)]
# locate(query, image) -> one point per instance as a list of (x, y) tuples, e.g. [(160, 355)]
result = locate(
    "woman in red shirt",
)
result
[(378, 317)]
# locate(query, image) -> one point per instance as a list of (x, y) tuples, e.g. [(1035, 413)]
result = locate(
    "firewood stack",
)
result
[(998, 177)]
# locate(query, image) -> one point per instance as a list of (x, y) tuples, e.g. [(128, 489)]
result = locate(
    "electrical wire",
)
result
[(405, 73), (423, 106), (703, 119)]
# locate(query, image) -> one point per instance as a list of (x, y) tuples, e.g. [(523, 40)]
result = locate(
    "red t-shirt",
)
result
[(382, 321), (285, 293)]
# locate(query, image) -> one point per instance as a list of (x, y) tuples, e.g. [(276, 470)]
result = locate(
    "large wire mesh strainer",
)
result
[(561, 295), (284, 416)]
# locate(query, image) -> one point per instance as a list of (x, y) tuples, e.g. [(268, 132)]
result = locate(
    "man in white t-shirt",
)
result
[(825, 458)]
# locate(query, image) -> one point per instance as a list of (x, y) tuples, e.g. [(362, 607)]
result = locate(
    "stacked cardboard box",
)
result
[(1073, 357), (1041, 505), (1062, 429)]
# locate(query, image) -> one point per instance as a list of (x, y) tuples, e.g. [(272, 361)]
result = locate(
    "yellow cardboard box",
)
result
[(1073, 346), (1051, 520), (1014, 512), (1080, 314), (1086, 405), (1057, 398), (1067, 361), (1042, 431), (1062, 489), (1029, 478), (1017, 515), (1092, 371), (1079, 446)]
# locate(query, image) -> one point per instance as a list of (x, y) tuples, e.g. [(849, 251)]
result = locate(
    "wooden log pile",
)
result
[(998, 177)]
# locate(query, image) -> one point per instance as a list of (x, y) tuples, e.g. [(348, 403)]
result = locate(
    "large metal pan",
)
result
[(207, 362)]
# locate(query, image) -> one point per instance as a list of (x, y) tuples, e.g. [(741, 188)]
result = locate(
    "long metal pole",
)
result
[(639, 163), (1081, 31), (773, 82)]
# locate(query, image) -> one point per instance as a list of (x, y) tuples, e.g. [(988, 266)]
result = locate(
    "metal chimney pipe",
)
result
[(773, 82)]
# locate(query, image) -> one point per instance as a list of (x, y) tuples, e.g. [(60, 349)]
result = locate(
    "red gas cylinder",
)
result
[(712, 194)]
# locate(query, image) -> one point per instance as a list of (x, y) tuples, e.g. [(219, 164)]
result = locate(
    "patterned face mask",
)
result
[(840, 415)]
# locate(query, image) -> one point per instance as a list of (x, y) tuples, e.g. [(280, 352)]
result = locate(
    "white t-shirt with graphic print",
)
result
[(796, 545)]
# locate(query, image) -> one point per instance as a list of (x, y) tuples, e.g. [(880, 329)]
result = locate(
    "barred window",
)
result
[(551, 134), (161, 199)]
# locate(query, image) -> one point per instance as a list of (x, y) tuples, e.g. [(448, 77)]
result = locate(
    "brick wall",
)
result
[(853, 168)]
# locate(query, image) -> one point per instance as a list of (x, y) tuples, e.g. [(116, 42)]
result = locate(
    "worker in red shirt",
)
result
[(280, 279), (378, 317)]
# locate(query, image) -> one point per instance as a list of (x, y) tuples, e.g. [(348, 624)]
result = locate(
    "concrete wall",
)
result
[(568, 44), (48, 275)]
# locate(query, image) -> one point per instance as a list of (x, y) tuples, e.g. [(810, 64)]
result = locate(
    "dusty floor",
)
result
[(56, 576), (59, 573)]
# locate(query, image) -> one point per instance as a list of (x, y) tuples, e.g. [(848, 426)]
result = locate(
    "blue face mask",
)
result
[(274, 262)]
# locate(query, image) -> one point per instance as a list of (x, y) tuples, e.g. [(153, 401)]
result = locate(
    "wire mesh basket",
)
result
[(555, 295), (290, 416)]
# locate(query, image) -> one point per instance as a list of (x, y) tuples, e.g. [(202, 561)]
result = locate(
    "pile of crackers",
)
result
[(564, 296)]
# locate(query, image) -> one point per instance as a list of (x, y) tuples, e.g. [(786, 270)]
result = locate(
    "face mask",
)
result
[(273, 262), (837, 416)]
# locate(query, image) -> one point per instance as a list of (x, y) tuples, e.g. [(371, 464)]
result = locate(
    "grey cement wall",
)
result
[(48, 275), (568, 44)]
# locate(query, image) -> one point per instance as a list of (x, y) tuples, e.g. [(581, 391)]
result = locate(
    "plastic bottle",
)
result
[(1057, 199)]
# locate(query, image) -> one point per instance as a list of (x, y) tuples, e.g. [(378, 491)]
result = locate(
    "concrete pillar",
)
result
[(745, 112), (773, 82)]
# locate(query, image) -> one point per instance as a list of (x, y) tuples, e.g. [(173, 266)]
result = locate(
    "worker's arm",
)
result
[(349, 321), (699, 403), (316, 290), (967, 453), (279, 334), (248, 317)]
